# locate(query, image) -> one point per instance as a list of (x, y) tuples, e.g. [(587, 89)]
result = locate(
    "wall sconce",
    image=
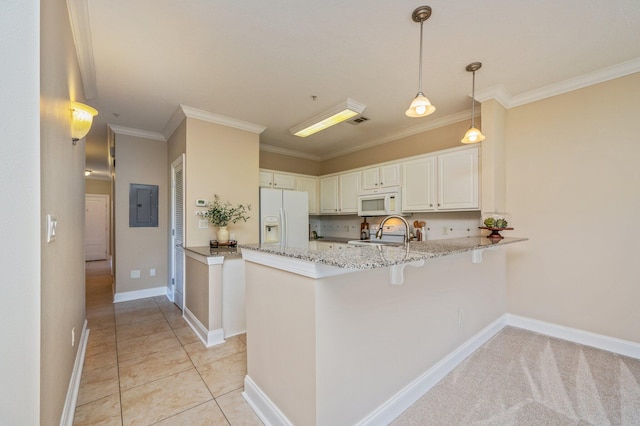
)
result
[(331, 117), (87, 172), (81, 119)]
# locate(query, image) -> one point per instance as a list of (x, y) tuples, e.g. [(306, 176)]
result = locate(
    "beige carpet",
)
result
[(524, 378)]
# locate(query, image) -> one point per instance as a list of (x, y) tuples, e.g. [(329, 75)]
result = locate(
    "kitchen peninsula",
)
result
[(354, 336)]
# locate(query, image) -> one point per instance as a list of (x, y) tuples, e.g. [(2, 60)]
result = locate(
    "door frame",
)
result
[(107, 201), (180, 161)]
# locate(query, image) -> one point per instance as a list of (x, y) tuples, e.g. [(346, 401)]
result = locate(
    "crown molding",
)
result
[(129, 131), (502, 95), (81, 30), (184, 111)]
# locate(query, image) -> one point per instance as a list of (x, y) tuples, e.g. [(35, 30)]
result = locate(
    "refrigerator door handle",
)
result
[(283, 227)]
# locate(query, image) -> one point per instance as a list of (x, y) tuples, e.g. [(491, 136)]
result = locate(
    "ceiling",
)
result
[(263, 62)]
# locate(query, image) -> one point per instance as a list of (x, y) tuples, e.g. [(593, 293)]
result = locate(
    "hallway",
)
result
[(144, 365)]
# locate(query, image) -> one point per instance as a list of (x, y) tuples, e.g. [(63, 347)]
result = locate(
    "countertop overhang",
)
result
[(359, 257)]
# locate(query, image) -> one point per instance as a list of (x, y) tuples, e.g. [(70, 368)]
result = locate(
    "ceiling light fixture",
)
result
[(335, 115), (473, 135), (81, 119), (420, 107)]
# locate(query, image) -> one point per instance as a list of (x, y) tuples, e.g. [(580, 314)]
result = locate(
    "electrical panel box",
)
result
[(143, 205)]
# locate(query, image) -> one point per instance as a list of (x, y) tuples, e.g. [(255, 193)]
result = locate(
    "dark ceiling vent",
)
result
[(358, 120)]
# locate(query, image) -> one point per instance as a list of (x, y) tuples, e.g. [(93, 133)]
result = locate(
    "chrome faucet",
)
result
[(394, 216)]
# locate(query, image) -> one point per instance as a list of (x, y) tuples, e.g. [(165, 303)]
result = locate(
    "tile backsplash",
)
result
[(439, 225)]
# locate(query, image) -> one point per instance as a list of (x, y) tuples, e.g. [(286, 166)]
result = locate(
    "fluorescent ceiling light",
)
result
[(335, 115)]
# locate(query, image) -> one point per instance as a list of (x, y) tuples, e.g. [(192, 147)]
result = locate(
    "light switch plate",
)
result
[(52, 224)]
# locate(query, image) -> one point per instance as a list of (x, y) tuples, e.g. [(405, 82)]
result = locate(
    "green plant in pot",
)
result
[(221, 214)]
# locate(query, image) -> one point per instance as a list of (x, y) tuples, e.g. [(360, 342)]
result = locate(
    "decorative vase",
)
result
[(223, 234)]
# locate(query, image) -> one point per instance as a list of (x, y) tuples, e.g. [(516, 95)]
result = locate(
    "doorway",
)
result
[(177, 231), (96, 227)]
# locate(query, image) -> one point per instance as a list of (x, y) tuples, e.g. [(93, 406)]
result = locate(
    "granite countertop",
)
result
[(220, 251), (333, 239), (366, 257)]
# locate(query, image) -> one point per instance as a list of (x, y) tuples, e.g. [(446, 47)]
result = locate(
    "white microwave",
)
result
[(381, 203)]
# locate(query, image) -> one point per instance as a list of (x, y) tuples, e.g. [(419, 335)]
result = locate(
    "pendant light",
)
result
[(420, 107), (473, 135)]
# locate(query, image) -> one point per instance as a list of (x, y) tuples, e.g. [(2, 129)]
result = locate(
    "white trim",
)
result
[(587, 338), (289, 152), (407, 396), (81, 30), (502, 95), (139, 294), (264, 408), (69, 409), (130, 131), (208, 338), (185, 111)]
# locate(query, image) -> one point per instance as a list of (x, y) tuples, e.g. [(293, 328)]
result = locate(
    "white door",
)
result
[(96, 226), (177, 231)]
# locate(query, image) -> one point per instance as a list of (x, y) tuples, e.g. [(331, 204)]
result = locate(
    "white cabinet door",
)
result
[(266, 179), (381, 177), (418, 185), (329, 195), (348, 189), (281, 181), (458, 180), (371, 178), (390, 175), (309, 185)]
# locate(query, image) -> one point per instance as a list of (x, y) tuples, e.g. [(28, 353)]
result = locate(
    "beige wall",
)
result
[(141, 161), (21, 227), (572, 188), (97, 186), (62, 194), (220, 160), (433, 140), (287, 163)]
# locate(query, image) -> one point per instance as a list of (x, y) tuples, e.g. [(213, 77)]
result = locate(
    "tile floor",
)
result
[(144, 365)]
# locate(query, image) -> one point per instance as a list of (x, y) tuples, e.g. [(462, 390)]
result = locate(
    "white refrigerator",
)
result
[(284, 217)]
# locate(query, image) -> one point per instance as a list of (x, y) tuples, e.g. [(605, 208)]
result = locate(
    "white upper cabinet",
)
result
[(443, 182), (458, 182), (310, 186), (277, 180), (381, 177), (329, 195), (349, 189), (419, 185), (339, 193)]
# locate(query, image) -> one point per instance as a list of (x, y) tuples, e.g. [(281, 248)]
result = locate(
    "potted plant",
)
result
[(220, 214)]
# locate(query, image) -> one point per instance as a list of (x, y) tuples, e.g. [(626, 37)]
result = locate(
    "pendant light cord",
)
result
[(420, 56), (473, 100)]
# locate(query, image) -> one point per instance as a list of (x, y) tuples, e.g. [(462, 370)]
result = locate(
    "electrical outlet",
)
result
[(73, 337), (203, 224), (460, 316), (152, 272), (135, 273), (445, 230)]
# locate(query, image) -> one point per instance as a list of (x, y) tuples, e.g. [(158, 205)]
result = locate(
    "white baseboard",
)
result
[(407, 396), (394, 406), (264, 408), (139, 294), (69, 409), (599, 341), (209, 338)]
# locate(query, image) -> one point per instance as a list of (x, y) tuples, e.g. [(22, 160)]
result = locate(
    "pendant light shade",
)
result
[(420, 106), (473, 135)]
